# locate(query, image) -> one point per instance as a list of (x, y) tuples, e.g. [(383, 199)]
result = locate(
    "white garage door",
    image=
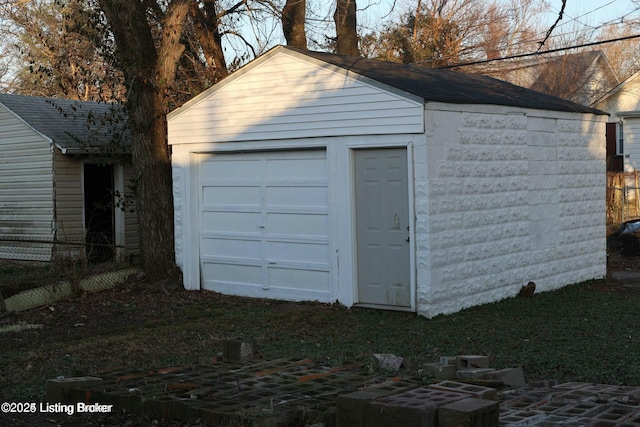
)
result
[(264, 227)]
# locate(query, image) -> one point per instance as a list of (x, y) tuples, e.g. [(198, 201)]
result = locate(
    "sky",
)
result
[(581, 13)]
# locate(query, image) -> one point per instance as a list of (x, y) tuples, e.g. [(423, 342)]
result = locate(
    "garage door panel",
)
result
[(231, 248), (225, 195), (302, 196), (223, 167), (297, 224), (303, 280), (231, 273), (297, 252), (296, 168), (231, 222)]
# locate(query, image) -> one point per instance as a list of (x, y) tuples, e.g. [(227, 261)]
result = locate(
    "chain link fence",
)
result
[(36, 272)]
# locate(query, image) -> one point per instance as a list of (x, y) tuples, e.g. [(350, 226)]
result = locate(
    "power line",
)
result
[(525, 55), (564, 4)]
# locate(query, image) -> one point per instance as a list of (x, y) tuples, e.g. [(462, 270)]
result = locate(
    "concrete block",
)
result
[(439, 371), (522, 418), (477, 373), (59, 389), (470, 389), (470, 412), (351, 408), (513, 377), (448, 360), (239, 351), (417, 407), (472, 362), (582, 409)]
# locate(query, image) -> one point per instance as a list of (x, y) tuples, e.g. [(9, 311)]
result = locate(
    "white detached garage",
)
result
[(313, 176)]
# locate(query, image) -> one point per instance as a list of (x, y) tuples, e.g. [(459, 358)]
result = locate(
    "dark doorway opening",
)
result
[(98, 212)]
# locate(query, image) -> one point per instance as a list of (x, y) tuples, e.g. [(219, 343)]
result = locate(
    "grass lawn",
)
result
[(585, 332)]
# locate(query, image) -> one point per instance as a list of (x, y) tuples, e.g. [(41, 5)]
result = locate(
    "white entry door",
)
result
[(264, 227), (382, 227)]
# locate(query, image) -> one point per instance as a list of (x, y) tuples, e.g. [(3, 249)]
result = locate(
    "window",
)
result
[(620, 139)]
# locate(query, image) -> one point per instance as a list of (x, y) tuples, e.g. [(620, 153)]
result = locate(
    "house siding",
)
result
[(510, 197), (26, 193), (309, 101), (69, 201)]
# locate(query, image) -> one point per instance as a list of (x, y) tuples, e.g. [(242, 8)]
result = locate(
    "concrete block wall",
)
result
[(510, 196)]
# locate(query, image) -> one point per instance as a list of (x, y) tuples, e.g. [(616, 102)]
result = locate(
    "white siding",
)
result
[(26, 190), (287, 97), (508, 198)]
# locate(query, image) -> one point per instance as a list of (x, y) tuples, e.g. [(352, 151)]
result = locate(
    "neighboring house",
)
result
[(313, 176), (64, 166), (581, 77), (623, 129)]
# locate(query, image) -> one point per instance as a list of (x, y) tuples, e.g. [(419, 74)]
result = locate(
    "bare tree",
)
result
[(346, 33)]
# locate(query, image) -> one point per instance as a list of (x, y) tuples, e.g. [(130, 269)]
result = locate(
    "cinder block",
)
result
[(351, 408), (472, 362), (512, 377), (475, 373), (448, 360), (440, 371), (522, 418), (470, 412), (470, 389), (239, 351), (59, 389), (417, 407), (582, 409)]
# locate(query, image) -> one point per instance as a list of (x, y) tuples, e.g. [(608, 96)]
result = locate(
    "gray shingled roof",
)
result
[(73, 126), (438, 85)]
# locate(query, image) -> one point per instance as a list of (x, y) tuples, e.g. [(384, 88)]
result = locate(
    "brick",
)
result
[(59, 389), (470, 389), (472, 362), (512, 377), (469, 412)]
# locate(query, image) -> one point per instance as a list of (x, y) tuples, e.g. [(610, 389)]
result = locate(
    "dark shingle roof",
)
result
[(73, 126), (447, 86)]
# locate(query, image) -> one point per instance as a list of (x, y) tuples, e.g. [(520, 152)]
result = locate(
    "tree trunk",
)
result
[(293, 19), (207, 29), (346, 34), (148, 72)]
